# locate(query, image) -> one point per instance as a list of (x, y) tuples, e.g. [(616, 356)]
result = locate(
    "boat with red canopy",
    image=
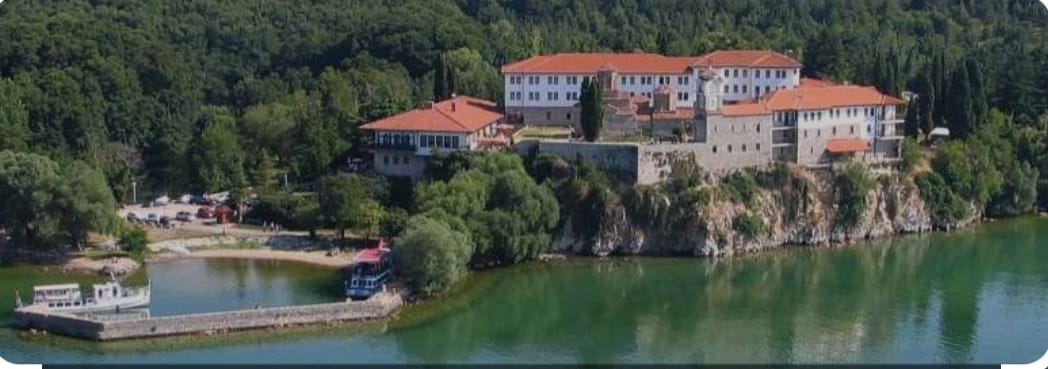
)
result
[(372, 266)]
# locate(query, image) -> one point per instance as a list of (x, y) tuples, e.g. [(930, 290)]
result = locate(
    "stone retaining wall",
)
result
[(379, 306)]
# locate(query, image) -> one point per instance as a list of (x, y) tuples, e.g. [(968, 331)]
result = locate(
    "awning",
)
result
[(846, 145), (370, 256)]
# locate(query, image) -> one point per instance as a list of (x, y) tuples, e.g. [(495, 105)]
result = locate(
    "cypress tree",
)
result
[(440, 79), (592, 116), (959, 104), (939, 79), (980, 107), (926, 102)]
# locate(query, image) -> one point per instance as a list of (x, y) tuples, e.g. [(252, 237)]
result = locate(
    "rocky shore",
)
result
[(789, 217)]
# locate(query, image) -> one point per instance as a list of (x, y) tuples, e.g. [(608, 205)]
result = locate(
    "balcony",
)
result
[(393, 145)]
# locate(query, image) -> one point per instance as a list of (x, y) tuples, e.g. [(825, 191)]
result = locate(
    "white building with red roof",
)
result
[(545, 89), (402, 144)]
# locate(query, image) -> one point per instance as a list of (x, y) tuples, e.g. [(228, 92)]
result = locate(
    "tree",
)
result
[(46, 205), (592, 113), (959, 104), (979, 95), (134, 241), (852, 186), (440, 79), (14, 119), (431, 257), (926, 96), (216, 158), (344, 203)]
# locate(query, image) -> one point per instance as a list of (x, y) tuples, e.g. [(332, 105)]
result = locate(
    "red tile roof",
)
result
[(587, 63), (808, 98), (842, 145), (747, 58), (811, 82), (811, 98), (460, 114)]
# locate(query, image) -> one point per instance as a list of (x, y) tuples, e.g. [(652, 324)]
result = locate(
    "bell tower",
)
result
[(708, 99)]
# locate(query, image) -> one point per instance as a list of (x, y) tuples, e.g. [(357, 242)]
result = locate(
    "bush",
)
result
[(740, 186), (430, 256), (134, 241), (911, 153), (749, 225), (852, 186), (944, 204)]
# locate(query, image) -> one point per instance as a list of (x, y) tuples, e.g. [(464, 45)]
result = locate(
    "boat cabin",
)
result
[(372, 266), (57, 295)]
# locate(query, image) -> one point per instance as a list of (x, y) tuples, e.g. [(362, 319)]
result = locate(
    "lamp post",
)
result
[(134, 192)]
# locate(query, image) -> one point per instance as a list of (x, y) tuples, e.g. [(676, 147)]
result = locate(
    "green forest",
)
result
[(190, 96)]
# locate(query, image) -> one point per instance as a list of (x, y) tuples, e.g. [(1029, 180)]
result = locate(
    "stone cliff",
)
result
[(799, 211)]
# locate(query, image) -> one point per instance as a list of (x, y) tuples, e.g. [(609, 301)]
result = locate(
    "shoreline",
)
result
[(317, 258)]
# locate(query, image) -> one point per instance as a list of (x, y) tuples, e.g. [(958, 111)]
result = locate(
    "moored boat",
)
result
[(372, 266), (104, 296)]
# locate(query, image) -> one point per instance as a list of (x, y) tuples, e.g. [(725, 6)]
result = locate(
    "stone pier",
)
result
[(37, 317)]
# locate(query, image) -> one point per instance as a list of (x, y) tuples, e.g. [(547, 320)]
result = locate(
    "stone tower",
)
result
[(707, 100)]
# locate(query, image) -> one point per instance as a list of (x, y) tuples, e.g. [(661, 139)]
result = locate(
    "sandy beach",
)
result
[(311, 257)]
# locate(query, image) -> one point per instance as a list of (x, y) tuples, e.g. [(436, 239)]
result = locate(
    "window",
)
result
[(851, 130), (623, 80), (714, 149), (767, 89), (686, 97), (805, 133), (758, 147), (454, 142), (818, 133), (834, 131), (633, 80), (735, 88), (735, 73), (743, 147), (758, 127), (432, 140), (551, 80), (726, 74), (385, 160), (869, 128), (567, 116), (549, 115), (422, 141), (767, 73), (725, 88), (745, 73), (744, 88), (533, 80), (729, 148)]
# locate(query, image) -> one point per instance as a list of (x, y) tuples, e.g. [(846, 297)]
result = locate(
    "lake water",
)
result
[(978, 295)]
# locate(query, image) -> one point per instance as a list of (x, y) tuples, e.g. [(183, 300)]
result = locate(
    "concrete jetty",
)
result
[(38, 317)]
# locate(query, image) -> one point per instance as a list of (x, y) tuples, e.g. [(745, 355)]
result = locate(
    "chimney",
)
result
[(452, 106)]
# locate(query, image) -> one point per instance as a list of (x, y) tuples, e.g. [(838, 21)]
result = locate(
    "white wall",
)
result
[(562, 88), (810, 119), (748, 77)]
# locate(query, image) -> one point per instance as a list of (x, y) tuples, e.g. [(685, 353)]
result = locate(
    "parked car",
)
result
[(161, 201), (185, 216), (184, 199), (205, 213), (152, 218), (133, 218), (165, 221)]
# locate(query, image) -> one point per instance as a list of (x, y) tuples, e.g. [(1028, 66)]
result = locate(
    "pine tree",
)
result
[(939, 79)]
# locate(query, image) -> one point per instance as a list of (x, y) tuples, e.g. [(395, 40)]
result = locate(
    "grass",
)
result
[(559, 132)]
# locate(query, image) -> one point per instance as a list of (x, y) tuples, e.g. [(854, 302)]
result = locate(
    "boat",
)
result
[(104, 297), (372, 266)]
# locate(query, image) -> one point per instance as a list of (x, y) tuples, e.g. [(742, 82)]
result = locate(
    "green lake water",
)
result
[(977, 295)]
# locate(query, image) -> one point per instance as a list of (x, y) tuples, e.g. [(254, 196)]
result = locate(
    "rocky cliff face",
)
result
[(789, 215)]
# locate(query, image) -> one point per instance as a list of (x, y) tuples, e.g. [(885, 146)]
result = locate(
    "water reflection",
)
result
[(873, 302)]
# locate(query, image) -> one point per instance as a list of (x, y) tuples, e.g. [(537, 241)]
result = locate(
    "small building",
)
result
[(402, 144), (223, 214)]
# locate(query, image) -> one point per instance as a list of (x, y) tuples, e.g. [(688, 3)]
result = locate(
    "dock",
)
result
[(38, 317)]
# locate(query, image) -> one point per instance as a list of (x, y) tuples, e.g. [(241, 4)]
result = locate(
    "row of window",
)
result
[(734, 73), (550, 96), (439, 141), (550, 80), (574, 80), (648, 80), (396, 159), (836, 113), (717, 128), (735, 89), (744, 148)]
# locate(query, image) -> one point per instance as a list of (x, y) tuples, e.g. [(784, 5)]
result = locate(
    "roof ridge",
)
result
[(445, 114)]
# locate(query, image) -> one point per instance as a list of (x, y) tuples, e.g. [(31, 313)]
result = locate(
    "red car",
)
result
[(205, 213)]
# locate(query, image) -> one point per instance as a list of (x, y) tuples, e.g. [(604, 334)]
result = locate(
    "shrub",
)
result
[(911, 153), (134, 241), (749, 225), (741, 186), (944, 204), (852, 186)]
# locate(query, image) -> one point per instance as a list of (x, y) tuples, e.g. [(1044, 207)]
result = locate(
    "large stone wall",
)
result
[(380, 305)]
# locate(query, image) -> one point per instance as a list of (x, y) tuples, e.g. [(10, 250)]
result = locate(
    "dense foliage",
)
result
[(852, 185), (205, 95), (591, 109), (44, 204), (431, 256)]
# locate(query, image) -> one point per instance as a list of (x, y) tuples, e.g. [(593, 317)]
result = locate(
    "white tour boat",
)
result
[(106, 296)]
